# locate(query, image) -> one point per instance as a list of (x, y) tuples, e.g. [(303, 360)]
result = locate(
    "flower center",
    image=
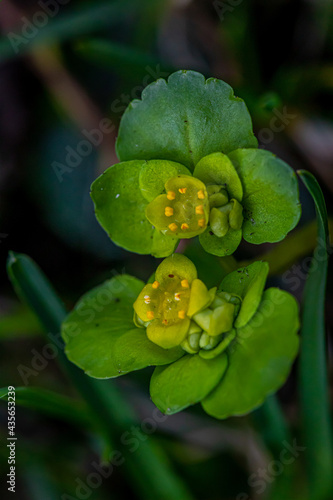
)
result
[(183, 211), (169, 302)]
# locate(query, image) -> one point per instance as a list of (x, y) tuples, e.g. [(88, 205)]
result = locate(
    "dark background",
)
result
[(85, 64)]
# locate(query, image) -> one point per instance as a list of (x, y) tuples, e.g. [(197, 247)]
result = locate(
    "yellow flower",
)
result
[(178, 309), (183, 211)]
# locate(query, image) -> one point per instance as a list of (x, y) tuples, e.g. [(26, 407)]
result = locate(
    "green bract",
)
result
[(227, 348), (189, 166)]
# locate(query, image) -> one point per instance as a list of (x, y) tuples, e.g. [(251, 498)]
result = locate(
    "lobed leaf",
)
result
[(270, 202), (183, 120)]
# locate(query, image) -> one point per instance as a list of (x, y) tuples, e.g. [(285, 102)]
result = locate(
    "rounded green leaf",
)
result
[(217, 168), (155, 173), (260, 357), (185, 382), (270, 200), (101, 337), (225, 245), (120, 210), (248, 283), (184, 120)]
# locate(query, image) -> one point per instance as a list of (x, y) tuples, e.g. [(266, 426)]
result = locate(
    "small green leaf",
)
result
[(185, 382), (248, 283), (217, 168), (101, 337), (260, 358), (226, 245), (270, 201), (155, 173), (120, 209), (184, 120)]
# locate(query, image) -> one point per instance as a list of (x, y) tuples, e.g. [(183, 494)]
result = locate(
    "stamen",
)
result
[(184, 284), (155, 284), (173, 227), (182, 190), (168, 211), (177, 296), (181, 314), (201, 222), (147, 299), (150, 314), (171, 195), (201, 195), (199, 210), (165, 321), (184, 226)]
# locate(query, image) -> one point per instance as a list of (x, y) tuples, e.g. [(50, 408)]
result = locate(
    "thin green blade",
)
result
[(314, 392)]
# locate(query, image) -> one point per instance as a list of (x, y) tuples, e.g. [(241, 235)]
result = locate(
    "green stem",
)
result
[(147, 465), (271, 423), (296, 245), (314, 392), (229, 264)]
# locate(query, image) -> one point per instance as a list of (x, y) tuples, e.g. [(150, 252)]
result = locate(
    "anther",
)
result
[(171, 195), (184, 226), (182, 190), (201, 222), (199, 210), (168, 211), (181, 314), (184, 284), (147, 299), (165, 321), (201, 195), (150, 314), (155, 284), (177, 296), (173, 227)]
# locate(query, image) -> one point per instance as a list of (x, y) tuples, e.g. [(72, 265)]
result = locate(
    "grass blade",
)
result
[(52, 404), (313, 366), (78, 22), (113, 56)]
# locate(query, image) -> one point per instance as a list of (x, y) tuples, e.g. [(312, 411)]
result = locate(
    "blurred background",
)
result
[(67, 65)]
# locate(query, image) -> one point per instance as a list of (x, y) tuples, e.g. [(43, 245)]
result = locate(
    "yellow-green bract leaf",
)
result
[(225, 245), (155, 173), (200, 298), (248, 283), (186, 382), (101, 337), (270, 199), (168, 336), (178, 265), (184, 120), (120, 209), (218, 169), (260, 358)]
